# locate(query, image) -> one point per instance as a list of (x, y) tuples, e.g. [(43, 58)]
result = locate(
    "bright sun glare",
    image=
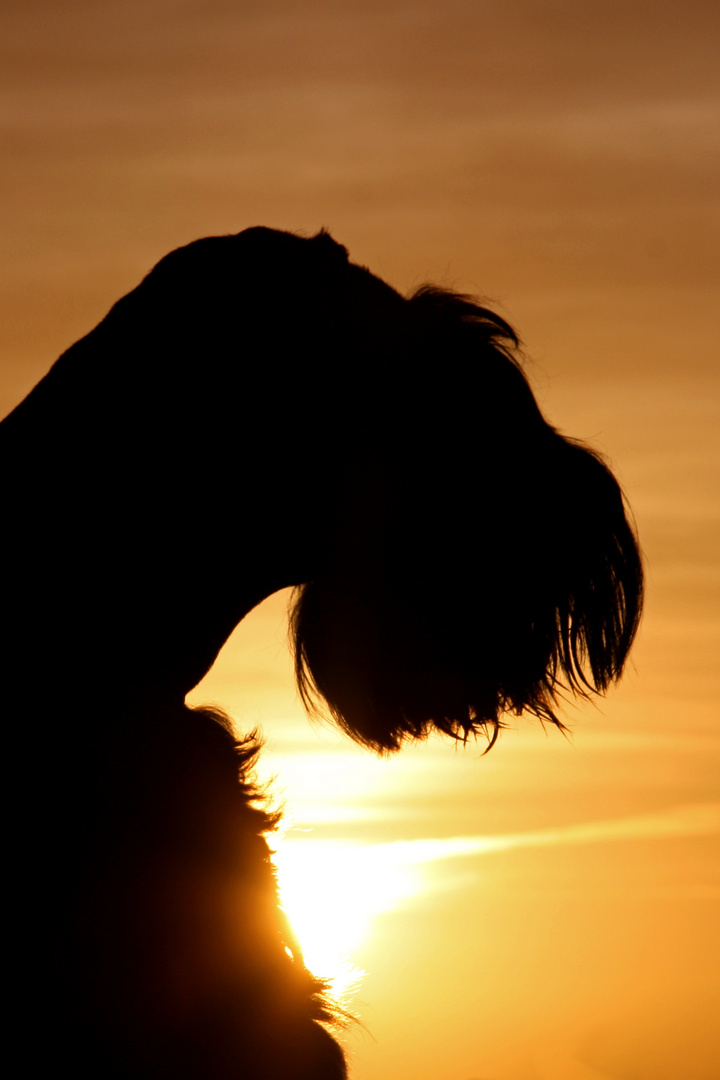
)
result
[(331, 891)]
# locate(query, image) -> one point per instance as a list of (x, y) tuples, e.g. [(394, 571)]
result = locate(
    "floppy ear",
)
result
[(487, 564)]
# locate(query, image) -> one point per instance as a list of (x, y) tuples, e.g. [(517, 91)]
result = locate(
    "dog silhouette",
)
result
[(261, 413)]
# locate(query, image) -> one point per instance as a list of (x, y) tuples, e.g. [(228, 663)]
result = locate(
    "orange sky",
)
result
[(562, 159)]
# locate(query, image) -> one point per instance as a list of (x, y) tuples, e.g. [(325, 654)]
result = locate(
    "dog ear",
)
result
[(487, 563)]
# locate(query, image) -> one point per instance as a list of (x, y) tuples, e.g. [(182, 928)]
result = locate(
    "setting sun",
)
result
[(331, 891)]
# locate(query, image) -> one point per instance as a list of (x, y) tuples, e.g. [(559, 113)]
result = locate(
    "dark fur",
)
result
[(261, 413), (487, 564)]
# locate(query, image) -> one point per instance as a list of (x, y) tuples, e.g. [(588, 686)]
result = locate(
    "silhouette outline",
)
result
[(454, 558)]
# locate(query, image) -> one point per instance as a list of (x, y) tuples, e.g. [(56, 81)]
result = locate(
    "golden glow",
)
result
[(569, 177), (331, 891)]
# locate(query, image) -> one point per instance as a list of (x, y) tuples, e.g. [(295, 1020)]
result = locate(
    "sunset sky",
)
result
[(550, 911)]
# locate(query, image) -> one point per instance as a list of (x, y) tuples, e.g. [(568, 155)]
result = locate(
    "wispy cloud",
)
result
[(359, 881), (699, 819)]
